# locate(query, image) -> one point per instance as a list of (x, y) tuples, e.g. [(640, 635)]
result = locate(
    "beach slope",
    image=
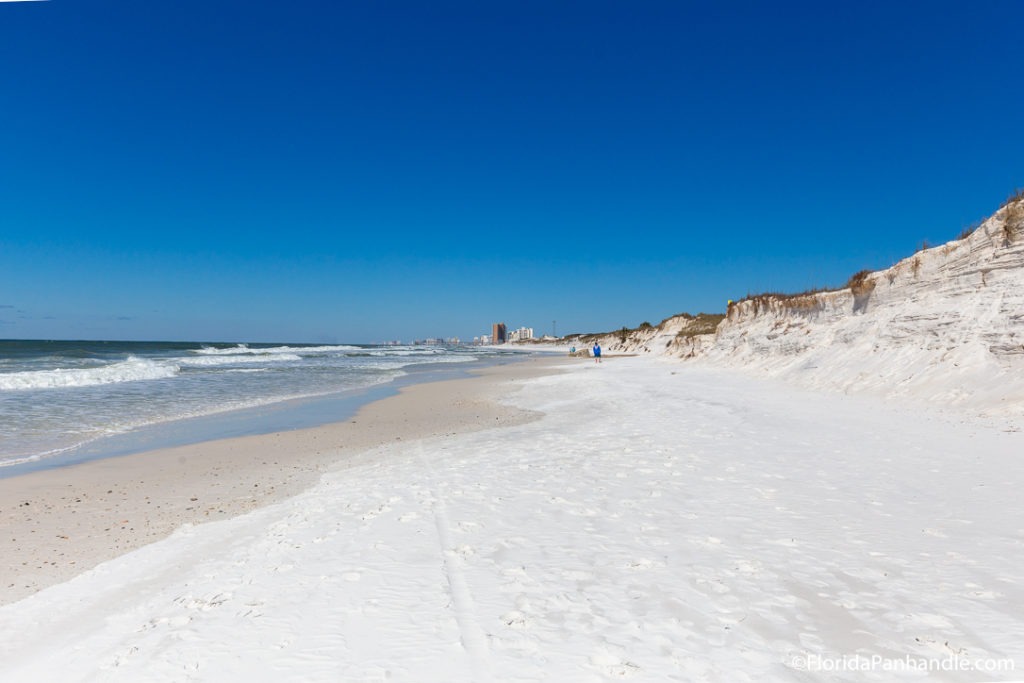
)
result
[(660, 521), (57, 523)]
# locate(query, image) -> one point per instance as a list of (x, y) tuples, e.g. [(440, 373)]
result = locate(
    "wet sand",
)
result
[(55, 524)]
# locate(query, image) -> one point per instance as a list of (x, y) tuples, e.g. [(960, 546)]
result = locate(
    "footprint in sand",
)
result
[(174, 622), (201, 604), (615, 666), (514, 619), (118, 660), (642, 563)]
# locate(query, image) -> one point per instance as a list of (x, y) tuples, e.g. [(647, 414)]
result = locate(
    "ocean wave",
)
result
[(207, 361), (221, 407), (450, 359), (243, 348), (383, 363), (410, 352), (131, 370), (35, 457)]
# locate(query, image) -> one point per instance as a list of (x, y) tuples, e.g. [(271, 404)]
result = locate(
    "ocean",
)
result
[(58, 396)]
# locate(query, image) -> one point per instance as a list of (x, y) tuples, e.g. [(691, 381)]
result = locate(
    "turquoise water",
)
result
[(56, 397)]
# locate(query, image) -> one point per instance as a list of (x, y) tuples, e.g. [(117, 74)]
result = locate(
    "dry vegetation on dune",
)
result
[(642, 327), (801, 301), (1013, 218), (1013, 215), (861, 284), (969, 230), (702, 323)]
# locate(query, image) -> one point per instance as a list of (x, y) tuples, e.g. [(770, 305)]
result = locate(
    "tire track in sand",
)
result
[(474, 640)]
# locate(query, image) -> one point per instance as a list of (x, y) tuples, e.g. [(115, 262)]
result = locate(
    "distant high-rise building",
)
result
[(522, 334), (498, 335)]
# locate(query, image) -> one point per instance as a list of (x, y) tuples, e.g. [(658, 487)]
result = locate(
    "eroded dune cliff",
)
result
[(946, 324)]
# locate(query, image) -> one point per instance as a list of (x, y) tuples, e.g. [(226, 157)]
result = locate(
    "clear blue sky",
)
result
[(355, 171)]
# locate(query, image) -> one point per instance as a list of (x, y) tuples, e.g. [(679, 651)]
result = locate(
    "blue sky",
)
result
[(355, 171)]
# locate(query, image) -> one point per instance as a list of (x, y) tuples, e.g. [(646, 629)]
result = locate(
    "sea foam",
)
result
[(131, 370), (243, 348), (217, 360), (56, 396)]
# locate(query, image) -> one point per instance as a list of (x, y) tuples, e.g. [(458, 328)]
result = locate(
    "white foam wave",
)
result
[(207, 361), (322, 349), (405, 362), (35, 457), (409, 352), (243, 348), (451, 359), (204, 411), (131, 370)]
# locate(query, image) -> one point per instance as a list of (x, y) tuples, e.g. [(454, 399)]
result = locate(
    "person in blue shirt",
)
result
[(597, 352)]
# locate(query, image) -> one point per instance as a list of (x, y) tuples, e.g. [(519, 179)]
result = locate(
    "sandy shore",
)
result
[(55, 524), (658, 521)]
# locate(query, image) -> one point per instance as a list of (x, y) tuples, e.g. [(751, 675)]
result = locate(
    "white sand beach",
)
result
[(475, 342), (659, 521), (57, 523)]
